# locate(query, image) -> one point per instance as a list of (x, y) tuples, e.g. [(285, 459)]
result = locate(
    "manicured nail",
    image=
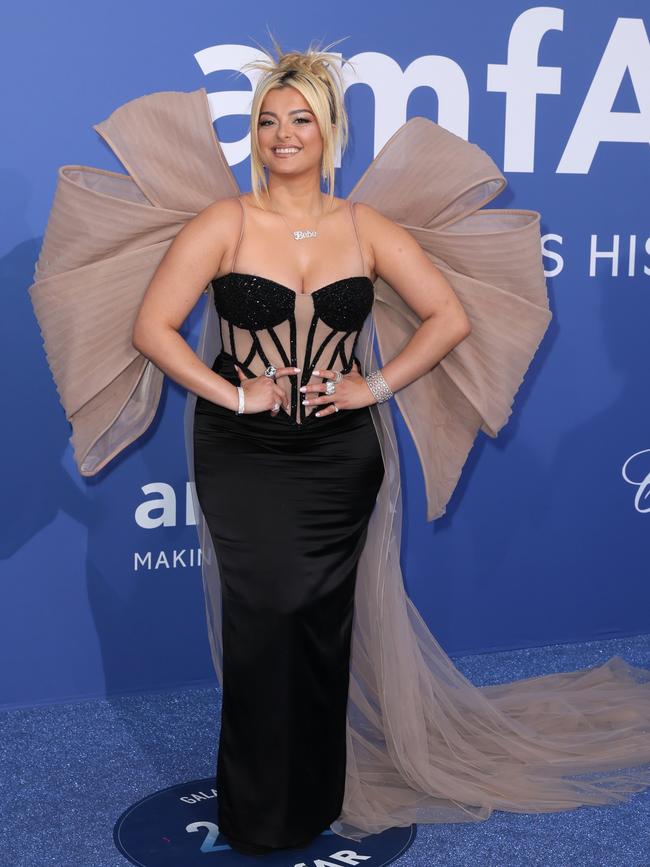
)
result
[(304, 402), (316, 414), (316, 373), (303, 388), (297, 369)]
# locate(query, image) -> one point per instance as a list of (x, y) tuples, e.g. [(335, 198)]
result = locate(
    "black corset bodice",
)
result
[(264, 322)]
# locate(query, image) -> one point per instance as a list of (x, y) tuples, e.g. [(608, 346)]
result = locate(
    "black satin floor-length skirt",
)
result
[(287, 506)]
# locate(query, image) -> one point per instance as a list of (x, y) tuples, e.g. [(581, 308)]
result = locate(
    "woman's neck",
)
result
[(295, 197)]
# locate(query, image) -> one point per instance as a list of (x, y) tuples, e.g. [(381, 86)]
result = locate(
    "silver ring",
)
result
[(276, 406), (270, 370), (339, 376), (330, 388), (336, 409)]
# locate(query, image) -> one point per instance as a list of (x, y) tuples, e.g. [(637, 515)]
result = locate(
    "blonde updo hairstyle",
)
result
[(316, 75)]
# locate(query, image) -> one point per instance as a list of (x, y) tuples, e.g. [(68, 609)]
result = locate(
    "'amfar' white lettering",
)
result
[(161, 511), (520, 78), (628, 49), (164, 505)]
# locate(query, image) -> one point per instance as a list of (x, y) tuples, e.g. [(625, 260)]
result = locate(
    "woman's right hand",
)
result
[(262, 392)]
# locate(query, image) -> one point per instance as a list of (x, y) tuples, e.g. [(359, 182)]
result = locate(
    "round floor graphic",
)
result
[(177, 827)]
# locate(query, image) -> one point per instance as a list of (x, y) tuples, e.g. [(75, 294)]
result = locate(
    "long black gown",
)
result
[(287, 500)]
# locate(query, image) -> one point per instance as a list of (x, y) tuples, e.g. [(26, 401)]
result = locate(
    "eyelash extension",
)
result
[(266, 121)]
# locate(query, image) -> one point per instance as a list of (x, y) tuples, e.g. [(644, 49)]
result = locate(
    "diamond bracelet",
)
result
[(378, 386)]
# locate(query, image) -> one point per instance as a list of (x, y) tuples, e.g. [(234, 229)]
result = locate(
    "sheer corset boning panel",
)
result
[(263, 322)]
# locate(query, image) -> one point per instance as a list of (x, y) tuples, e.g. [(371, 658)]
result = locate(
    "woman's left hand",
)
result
[(352, 392)]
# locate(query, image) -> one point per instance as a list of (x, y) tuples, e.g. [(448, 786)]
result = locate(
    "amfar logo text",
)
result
[(161, 509), (520, 78)]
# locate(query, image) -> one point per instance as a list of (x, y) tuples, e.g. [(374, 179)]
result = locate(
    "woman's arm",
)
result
[(402, 263), (192, 260)]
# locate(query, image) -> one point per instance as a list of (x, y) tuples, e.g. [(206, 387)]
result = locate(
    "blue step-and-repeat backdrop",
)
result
[(546, 538)]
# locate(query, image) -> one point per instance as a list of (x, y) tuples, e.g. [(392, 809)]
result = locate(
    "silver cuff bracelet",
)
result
[(240, 392), (378, 386)]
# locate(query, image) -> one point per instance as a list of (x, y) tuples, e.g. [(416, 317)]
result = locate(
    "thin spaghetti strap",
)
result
[(356, 232), (241, 233)]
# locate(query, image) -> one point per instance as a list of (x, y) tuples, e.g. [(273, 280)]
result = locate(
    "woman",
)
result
[(288, 496), (299, 513)]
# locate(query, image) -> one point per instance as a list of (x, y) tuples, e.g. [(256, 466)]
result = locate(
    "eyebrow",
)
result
[(293, 111)]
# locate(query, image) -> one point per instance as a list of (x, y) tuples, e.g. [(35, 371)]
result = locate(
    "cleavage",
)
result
[(247, 275), (334, 243)]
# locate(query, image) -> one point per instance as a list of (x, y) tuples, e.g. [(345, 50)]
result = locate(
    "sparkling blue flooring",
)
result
[(69, 770)]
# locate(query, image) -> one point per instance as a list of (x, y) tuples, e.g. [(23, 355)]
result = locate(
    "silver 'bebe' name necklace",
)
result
[(301, 234)]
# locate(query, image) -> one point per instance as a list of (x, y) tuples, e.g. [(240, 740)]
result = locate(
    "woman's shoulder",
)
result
[(216, 226), (367, 212), (225, 207), (220, 216), (373, 225), (380, 232)]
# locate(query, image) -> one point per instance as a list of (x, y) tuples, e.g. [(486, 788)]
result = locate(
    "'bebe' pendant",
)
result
[(307, 233)]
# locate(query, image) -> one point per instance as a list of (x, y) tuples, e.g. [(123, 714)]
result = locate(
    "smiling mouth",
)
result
[(286, 152)]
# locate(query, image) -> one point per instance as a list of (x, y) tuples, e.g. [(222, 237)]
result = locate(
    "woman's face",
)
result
[(286, 121)]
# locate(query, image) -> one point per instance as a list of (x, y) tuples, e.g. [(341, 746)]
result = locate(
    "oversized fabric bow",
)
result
[(108, 231)]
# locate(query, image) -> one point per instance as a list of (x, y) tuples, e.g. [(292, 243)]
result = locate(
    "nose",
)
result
[(284, 133), (284, 141)]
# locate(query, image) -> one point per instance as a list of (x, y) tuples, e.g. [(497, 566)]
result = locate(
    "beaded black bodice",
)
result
[(264, 322)]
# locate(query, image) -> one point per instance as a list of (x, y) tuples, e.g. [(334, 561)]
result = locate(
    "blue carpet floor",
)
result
[(70, 770)]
